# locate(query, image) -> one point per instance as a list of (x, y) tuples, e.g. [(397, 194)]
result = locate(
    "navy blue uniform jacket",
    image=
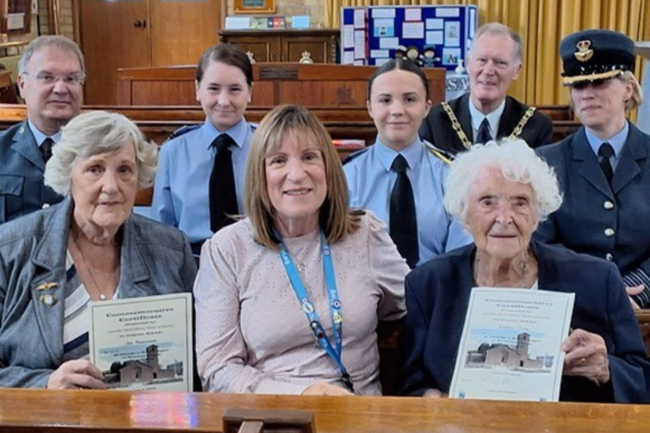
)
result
[(21, 174), (591, 206), (437, 295)]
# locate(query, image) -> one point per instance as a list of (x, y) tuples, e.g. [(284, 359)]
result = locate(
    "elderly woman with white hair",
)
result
[(501, 192), (88, 247)]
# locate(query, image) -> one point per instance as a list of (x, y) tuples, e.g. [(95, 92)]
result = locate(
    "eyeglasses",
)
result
[(47, 79)]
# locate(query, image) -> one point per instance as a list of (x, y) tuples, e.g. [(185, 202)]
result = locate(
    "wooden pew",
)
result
[(158, 122), (45, 411), (311, 85)]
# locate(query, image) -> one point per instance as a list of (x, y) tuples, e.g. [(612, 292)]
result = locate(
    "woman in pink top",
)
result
[(288, 299)]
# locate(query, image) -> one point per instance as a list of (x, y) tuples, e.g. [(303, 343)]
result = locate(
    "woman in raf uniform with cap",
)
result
[(604, 168)]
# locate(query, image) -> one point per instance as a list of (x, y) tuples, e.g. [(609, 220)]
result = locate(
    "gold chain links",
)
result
[(455, 124)]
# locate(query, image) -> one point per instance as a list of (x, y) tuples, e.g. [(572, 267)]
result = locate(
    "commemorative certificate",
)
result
[(510, 346), (144, 343)]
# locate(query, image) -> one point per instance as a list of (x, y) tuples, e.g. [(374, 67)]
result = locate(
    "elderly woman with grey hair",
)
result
[(89, 247), (501, 192)]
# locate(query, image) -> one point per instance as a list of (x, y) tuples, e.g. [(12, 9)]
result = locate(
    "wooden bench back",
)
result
[(158, 122), (311, 85)]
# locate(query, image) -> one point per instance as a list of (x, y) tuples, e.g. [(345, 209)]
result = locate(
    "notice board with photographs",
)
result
[(433, 36)]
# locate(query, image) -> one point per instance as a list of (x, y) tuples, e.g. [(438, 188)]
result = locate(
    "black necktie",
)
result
[(46, 149), (223, 197), (403, 224), (605, 151), (483, 135)]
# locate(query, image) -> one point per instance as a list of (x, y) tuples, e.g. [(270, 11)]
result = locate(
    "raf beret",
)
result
[(595, 55)]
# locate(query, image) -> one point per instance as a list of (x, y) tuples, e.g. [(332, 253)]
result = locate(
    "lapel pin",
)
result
[(47, 286), (48, 300)]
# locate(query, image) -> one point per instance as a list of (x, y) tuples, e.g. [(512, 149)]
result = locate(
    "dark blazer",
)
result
[(21, 174), (437, 129), (591, 206), (154, 259), (437, 296)]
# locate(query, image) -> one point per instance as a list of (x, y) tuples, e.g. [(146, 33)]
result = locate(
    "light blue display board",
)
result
[(371, 35)]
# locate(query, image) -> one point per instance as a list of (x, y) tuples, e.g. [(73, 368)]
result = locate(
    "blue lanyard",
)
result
[(307, 306)]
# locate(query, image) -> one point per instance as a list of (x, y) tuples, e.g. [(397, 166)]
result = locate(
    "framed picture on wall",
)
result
[(254, 6), (15, 16)]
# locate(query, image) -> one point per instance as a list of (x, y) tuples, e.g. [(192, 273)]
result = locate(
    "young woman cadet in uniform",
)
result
[(604, 168), (399, 178), (200, 182), (300, 265)]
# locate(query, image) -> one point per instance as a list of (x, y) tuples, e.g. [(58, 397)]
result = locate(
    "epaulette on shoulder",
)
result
[(355, 155), (183, 130), (443, 155)]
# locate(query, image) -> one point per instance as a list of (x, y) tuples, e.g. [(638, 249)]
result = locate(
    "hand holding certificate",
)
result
[(586, 355), (510, 348), (144, 343)]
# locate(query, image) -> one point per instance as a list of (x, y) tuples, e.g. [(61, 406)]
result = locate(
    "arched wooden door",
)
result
[(139, 33)]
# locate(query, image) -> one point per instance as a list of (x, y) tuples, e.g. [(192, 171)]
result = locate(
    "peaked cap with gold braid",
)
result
[(592, 55)]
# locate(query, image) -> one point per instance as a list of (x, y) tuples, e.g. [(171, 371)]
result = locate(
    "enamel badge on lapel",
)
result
[(48, 300), (47, 286), (584, 53)]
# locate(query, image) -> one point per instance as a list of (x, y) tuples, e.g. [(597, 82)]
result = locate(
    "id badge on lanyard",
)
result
[(309, 310)]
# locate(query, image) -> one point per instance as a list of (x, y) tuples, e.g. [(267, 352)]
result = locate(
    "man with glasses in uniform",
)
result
[(50, 78)]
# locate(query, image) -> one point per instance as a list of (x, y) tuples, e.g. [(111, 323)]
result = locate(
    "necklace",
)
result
[(109, 278), (524, 270)]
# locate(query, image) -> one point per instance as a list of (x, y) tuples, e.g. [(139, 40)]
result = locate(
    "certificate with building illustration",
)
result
[(143, 343), (510, 346)]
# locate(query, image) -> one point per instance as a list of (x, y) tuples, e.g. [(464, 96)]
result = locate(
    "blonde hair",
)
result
[(336, 219), (93, 133), (637, 93)]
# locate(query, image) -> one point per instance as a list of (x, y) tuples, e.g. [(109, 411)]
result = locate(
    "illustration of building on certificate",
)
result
[(510, 346), (144, 343)]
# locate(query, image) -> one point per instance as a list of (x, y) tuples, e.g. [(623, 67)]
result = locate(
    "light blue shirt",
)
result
[(617, 141), (371, 180), (39, 136), (181, 189)]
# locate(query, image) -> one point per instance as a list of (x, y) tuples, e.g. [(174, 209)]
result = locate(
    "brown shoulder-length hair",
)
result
[(336, 219)]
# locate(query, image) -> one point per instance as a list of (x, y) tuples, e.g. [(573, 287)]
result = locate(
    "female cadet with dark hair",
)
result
[(301, 266), (200, 182), (400, 178)]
